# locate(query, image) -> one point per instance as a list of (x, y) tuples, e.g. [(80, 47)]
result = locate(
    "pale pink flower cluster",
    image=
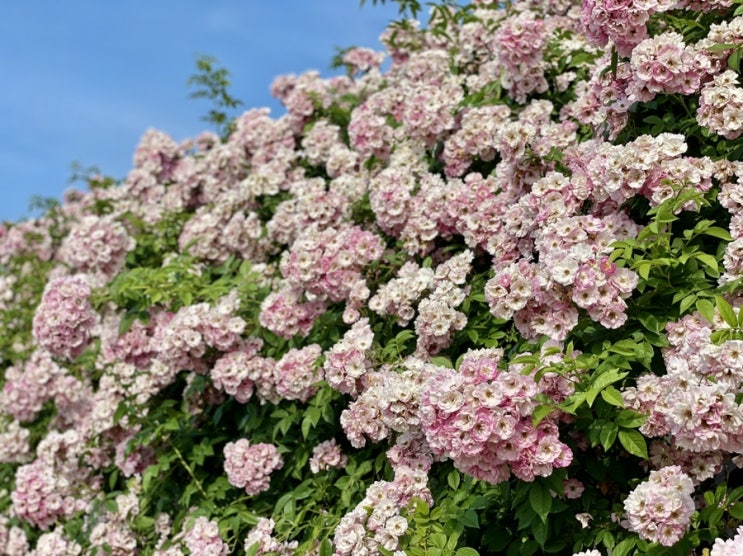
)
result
[(665, 64), (216, 232), (573, 267), (286, 313), (363, 59), (475, 137), (397, 296), (518, 48), (113, 535), (183, 341), (375, 522), (347, 361), (369, 132), (30, 237), (721, 105), (249, 466), (203, 538), (327, 455), (319, 140), (427, 115), (706, 5), (523, 291), (29, 385), (42, 495), (389, 402), (696, 401), (729, 547), (411, 458), (327, 263), (260, 534), (699, 466), (592, 552), (97, 246), (728, 32), (239, 372), (302, 94), (297, 374), (623, 22), (135, 346), (310, 205), (660, 508), (437, 317), (731, 197), (481, 418), (13, 540), (14, 446), (64, 320), (605, 99), (55, 543)]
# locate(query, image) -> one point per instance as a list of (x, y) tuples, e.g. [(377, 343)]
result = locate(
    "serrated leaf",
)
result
[(634, 443), (453, 479)]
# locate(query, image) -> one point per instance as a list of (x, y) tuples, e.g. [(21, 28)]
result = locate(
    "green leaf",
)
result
[(540, 529), (710, 262), (623, 548), (467, 551), (726, 312), (705, 307), (540, 412), (734, 61), (687, 302), (608, 434), (634, 443), (630, 419), (470, 519), (540, 500), (720, 233), (736, 510), (326, 548), (442, 361), (453, 479), (612, 396)]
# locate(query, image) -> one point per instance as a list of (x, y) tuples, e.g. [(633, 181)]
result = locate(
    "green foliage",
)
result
[(211, 82)]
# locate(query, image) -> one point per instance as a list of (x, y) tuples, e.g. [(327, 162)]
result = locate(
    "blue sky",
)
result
[(83, 79)]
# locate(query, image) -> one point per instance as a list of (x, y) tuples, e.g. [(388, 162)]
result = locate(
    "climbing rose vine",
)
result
[(478, 294)]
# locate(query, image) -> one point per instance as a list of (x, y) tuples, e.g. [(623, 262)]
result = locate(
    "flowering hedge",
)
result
[(486, 300)]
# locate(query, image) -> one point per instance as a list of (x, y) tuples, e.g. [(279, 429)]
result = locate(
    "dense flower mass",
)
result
[(64, 320), (480, 417), (660, 508), (481, 290), (249, 466)]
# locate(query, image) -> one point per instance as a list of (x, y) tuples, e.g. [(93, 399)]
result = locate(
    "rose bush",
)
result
[(482, 298)]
